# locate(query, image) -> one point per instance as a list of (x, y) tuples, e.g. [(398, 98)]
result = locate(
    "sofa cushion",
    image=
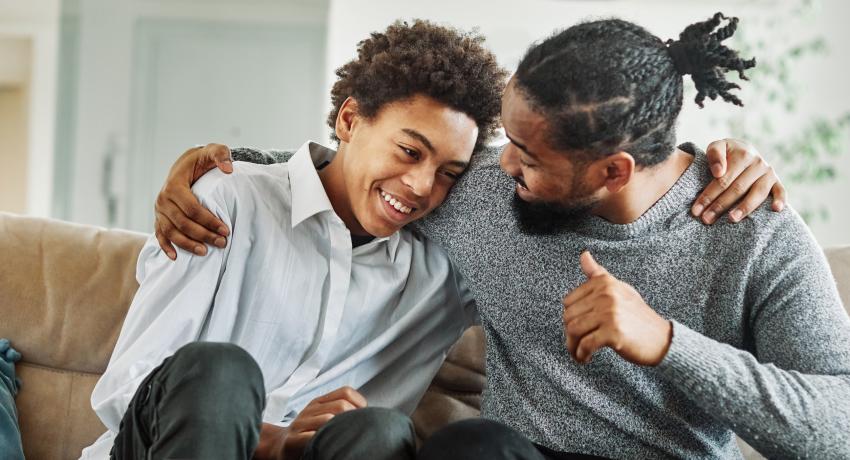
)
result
[(839, 263), (55, 413), (64, 290)]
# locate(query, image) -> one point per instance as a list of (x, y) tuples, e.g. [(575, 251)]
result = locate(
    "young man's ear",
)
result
[(345, 119), (619, 169)]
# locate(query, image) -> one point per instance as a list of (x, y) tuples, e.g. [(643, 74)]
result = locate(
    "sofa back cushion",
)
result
[(64, 292)]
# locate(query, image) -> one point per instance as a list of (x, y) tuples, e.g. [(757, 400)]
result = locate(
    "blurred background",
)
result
[(99, 97)]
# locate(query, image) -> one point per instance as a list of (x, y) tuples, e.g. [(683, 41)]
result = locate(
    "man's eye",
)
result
[(451, 175)]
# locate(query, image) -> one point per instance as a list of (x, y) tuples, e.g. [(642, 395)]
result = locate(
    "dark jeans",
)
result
[(206, 402), (386, 434)]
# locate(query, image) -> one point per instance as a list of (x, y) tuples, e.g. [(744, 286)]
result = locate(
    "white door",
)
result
[(143, 80), (240, 85)]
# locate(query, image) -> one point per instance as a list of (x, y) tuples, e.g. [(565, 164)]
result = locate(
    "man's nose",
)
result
[(509, 161)]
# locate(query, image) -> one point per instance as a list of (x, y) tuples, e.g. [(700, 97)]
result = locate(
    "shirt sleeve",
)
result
[(168, 311), (792, 395)]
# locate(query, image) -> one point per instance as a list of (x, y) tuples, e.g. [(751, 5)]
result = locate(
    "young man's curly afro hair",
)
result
[(423, 58)]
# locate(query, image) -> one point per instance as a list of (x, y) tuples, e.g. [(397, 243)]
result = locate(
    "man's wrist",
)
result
[(665, 348)]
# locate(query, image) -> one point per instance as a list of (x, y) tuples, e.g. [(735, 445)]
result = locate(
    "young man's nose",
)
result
[(421, 181)]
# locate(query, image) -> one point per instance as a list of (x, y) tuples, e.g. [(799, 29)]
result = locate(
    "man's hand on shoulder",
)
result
[(180, 218), (742, 182), (606, 312)]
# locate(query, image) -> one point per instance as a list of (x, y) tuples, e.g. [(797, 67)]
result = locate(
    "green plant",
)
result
[(808, 148)]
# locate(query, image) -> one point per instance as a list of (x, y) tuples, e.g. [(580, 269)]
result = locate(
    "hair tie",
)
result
[(680, 54)]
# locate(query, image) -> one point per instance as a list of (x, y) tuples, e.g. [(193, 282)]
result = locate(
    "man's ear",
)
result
[(346, 119), (619, 170)]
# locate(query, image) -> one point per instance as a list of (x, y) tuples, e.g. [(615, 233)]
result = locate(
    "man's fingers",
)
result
[(590, 344), (189, 206), (579, 308), (347, 393), (581, 326), (165, 245), (590, 266), (204, 225), (172, 234), (577, 329), (738, 186), (755, 197), (716, 154), (189, 227), (205, 159), (722, 182), (779, 198), (585, 289), (220, 156), (183, 225)]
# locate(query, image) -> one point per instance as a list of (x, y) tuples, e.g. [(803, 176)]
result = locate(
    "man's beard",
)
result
[(548, 218)]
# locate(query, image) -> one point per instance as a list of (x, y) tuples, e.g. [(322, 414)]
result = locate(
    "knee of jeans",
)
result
[(473, 437), (373, 432), (219, 364), (373, 419)]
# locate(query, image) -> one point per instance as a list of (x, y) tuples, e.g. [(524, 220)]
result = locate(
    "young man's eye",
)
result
[(410, 152)]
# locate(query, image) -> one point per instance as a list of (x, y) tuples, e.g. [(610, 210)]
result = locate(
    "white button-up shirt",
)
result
[(288, 288)]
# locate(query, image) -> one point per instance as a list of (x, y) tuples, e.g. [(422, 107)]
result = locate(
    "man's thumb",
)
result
[(590, 267), (220, 154)]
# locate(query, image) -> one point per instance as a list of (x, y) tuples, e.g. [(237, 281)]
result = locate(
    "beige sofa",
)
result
[(64, 291)]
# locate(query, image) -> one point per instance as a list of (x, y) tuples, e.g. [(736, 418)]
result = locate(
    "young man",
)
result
[(696, 333), (318, 291)]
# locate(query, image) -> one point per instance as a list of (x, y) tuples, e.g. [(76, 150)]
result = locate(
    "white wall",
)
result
[(13, 148), (511, 26), (37, 22), (103, 94)]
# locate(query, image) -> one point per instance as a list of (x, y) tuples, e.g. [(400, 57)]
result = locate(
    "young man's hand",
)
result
[(289, 443), (741, 176), (606, 312)]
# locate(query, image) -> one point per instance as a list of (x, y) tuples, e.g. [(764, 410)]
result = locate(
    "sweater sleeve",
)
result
[(791, 397), (263, 157)]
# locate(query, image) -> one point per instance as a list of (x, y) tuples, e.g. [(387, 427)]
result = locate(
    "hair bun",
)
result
[(681, 57), (699, 52)]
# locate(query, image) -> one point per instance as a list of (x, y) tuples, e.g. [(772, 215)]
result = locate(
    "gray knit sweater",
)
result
[(761, 342)]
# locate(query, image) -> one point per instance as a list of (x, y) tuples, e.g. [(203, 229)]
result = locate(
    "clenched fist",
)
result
[(606, 312)]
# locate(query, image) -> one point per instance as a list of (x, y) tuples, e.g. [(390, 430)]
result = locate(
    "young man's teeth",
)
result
[(395, 203)]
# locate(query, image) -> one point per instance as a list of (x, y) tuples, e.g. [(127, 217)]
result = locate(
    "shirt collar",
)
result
[(308, 194)]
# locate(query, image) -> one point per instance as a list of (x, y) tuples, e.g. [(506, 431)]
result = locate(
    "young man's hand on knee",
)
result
[(288, 443)]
